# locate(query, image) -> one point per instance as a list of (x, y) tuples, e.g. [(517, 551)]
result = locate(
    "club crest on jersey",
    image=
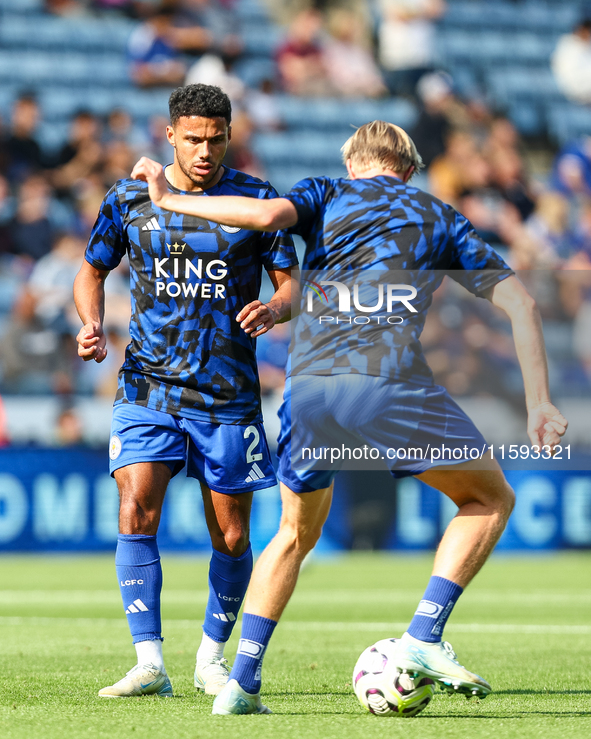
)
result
[(114, 447), (176, 248), (229, 229)]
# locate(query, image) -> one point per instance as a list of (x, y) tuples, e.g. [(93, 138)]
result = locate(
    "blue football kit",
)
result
[(188, 357), (376, 249), (188, 390)]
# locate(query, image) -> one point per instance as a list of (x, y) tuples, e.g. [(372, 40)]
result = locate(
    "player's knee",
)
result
[(135, 517), (303, 538), (507, 500), (501, 499), (233, 541)]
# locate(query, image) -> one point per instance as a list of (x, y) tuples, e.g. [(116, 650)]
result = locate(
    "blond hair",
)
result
[(382, 144)]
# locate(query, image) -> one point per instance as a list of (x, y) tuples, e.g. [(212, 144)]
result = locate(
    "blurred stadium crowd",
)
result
[(492, 93)]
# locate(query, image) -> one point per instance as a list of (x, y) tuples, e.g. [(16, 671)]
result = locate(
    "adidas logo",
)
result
[(136, 607), (255, 474), (225, 617), (152, 225)]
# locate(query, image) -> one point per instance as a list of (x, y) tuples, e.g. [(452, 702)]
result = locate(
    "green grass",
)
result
[(524, 624)]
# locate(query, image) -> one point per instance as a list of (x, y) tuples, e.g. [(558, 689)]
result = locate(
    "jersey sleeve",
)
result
[(308, 197), (106, 245), (475, 264), (277, 247)]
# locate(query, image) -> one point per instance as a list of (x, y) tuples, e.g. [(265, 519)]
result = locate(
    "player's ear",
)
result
[(229, 133), (408, 174), (350, 169), (170, 135)]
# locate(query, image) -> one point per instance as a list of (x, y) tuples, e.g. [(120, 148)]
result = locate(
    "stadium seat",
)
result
[(29, 32), (568, 121), (523, 83), (284, 178), (299, 149), (22, 6), (500, 16), (252, 71), (261, 40), (251, 10), (335, 115)]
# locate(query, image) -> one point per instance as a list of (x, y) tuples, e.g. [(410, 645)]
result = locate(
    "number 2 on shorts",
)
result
[(252, 431)]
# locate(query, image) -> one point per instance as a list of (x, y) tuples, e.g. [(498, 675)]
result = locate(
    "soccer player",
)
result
[(188, 388), (371, 389)]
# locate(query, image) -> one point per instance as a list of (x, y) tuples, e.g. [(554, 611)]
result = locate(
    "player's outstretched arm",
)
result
[(250, 213), (257, 318), (546, 425), (89, 297)]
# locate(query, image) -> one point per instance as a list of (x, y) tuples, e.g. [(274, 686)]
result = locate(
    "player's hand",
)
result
[(256, 318), (153, 173), (546, 425), (92, 343)]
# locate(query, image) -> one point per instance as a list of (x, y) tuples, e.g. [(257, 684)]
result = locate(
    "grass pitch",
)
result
[(524, 624)]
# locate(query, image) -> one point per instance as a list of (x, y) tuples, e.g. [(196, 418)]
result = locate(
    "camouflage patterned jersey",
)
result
[(188, 355), (372, 235)]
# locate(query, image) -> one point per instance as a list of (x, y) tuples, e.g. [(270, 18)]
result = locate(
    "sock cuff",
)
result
[(214, 637), (440, 586), (136, 550), (232, 569), (149, 636), (257, 628)]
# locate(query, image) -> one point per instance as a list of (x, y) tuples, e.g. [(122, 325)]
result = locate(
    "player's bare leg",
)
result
[(228, 521), (272, 584), (485, 502), (142, 488), (276, 572)]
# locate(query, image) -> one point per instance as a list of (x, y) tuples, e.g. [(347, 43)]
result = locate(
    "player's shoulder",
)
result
[(415, 196), (235, 181), (127, 189)]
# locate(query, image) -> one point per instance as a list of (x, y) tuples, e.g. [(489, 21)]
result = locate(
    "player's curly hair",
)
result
[(206, 101), (383, 144)]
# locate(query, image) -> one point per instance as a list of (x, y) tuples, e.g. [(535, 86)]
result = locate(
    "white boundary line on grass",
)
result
[(310, 598), (475, 628)]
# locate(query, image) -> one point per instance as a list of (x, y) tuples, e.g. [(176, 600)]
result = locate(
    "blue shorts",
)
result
[(349, 411), (227, 458)]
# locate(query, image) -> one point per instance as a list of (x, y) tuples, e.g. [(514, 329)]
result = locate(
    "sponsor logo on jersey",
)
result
[(176, 248), (428, 608), (114, 447), (152, 225), (229, 229), (167, 267)]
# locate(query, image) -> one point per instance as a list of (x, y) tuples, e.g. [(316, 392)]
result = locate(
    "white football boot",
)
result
[(211, 675), (140, 680), (439, 662), (233, 699)]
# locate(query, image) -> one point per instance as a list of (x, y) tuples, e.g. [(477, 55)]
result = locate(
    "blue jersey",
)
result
[(378, 227), (189, 279)]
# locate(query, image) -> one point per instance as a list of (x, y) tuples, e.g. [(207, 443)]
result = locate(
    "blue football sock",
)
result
[(140, 580), (256, 633), (434, 610), (228, 581)]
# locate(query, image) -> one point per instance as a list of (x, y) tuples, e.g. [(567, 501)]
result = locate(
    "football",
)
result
[(385, 691)]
